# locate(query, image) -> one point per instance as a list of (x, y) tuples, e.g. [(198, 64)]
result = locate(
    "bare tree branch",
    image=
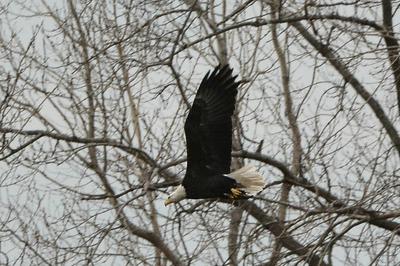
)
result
[(350, 78)]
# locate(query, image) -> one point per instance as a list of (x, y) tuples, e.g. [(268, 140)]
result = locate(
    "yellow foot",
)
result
[(236, 193)]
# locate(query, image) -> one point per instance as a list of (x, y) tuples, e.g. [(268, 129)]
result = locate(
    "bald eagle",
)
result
[(208, 130)]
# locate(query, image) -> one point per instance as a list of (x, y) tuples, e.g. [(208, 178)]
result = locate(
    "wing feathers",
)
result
[(208, 126)]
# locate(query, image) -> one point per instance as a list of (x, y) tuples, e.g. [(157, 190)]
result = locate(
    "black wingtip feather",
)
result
[(215, 83), (206, 77), (223, 74)]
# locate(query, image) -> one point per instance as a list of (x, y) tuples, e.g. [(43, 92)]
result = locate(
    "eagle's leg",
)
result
[(236, 193)]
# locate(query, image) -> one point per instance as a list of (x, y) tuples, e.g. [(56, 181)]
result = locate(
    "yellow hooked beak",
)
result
[(168, 201)]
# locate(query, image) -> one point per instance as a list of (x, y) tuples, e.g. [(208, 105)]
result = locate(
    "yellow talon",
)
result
[(236, 193)]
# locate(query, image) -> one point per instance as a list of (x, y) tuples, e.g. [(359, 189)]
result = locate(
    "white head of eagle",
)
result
[(208, 130)]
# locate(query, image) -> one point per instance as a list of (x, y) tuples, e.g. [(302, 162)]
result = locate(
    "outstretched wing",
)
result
[(208, 127)]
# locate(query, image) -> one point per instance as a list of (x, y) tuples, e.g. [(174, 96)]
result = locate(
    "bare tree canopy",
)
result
[(93, 100)]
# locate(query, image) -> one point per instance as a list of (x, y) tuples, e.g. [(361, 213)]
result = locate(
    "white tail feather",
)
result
[(249, 178)]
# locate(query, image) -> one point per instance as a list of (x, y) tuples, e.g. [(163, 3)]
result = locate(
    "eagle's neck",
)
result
[(178, 194)]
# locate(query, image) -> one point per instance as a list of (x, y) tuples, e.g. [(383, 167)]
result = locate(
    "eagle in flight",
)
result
[(208, 130)]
